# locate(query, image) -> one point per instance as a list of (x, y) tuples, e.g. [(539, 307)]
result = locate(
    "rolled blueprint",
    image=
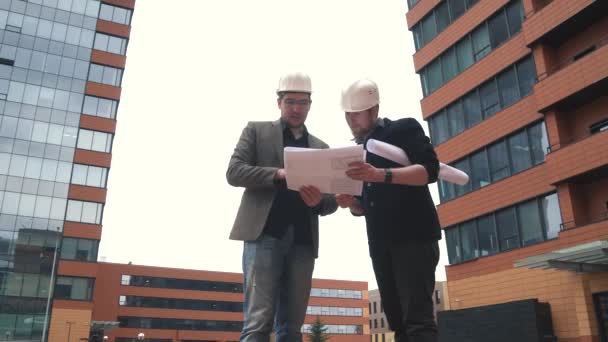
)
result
[(394, 153)]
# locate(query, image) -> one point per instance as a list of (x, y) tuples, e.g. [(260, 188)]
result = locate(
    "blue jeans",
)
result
[(278, 275)]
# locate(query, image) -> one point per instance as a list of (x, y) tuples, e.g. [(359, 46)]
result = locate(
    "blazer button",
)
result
[(371, 204), (369, 185)]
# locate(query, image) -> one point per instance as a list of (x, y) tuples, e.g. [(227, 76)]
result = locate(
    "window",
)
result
[(74, 288), (489, 99), (507, 229), (101, 107), (115, 14), (530, 223), (497, 93), (85, 212), (94, 141), (526, 74), (519, 150), (453, 242), (539, 142), (499, 32), (471, 48), (105, 74), (508, 87), (551, 215), (446, 190), (111, 44), (444, 14), (79, 249), (515, 16), (375, 308), (499, 161), (468, 237), (382, 325), (520, 225), (480, 173), (456, 119), (599, 127), (464, 166), (488, 241), (89, 175)]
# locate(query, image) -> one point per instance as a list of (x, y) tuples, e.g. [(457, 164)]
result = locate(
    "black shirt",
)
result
[(288, 208), (396, 212)]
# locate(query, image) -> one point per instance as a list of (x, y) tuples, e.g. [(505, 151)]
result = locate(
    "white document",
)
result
[(394, 153), (323, 168)]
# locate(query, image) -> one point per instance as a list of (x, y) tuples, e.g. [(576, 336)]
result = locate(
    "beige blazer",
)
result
[(256, 158)]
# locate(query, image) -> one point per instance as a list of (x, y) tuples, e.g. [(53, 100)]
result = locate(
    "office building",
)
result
[(61, 66), (515, 94)]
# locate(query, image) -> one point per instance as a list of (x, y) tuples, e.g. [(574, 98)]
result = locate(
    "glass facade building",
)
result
[(48, 72)]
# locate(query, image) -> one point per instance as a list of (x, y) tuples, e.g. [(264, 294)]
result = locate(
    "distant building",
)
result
[(379, 329)]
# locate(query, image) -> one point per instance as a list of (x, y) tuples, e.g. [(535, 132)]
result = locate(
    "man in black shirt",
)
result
[(279, 227), (402, 224)]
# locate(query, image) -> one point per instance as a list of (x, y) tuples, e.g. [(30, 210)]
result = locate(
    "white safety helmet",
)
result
[(296, 82), (359, 96)]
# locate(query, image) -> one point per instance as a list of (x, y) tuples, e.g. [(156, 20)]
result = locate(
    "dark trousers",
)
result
[(405, 273)]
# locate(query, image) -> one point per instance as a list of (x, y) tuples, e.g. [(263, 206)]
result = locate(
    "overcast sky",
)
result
[(197, 71)]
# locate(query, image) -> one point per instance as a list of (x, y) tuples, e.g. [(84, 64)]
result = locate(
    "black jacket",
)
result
[(401, 213)]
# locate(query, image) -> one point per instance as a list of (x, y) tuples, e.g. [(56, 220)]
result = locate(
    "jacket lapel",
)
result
[(277, 137)]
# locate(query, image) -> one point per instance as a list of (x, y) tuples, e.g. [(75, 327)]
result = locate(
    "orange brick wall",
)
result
[(568, 293), (582, 40)]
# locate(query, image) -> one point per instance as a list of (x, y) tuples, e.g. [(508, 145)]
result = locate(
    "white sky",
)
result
[(197, 71)]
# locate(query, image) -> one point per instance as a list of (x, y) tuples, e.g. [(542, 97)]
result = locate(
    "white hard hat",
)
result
[(359, 96), (295, 82)]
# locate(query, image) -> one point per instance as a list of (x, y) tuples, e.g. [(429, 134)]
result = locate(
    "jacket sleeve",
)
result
[(418, 147), (242, 169)]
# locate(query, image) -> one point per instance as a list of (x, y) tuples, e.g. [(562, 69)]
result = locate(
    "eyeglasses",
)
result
[(301, 103)]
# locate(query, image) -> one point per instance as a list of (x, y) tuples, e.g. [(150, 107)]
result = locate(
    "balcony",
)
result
[(575, 162), (572, 83), (560, 19)]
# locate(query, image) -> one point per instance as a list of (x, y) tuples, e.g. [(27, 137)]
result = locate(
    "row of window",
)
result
[(47, 29), (517, 226), (439, 19), (41, 96), (22, 305), (39, 243), (79, 249), (515, 153), (47, 99), (181, 284), (333, 311), (85, 212), (494, 95), (335, 293), (37, 131), (375, 326), (337, 329), (110, 44), (31, 285), (35, 149), (473, 47), (105, 74), (74, 288), (44, 114), (88, 175), (83, 7), (35, 168), (179, 324), (32, 206), (94, 140), (180, 304), (115, 14), (21, 327), (20, 223), (45, 62), (101, 107)]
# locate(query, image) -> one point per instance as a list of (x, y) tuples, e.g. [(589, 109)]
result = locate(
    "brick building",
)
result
[(515, 94)]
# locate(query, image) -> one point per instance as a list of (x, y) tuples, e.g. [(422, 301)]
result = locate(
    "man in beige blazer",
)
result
[(279, 227)]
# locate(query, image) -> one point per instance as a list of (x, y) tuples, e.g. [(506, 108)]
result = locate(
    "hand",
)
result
[(280, 174), (345, 201), (310, 195), (364, 172)]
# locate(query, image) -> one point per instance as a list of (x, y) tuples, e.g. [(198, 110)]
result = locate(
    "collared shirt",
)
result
[(396, 212), (288, 208)]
